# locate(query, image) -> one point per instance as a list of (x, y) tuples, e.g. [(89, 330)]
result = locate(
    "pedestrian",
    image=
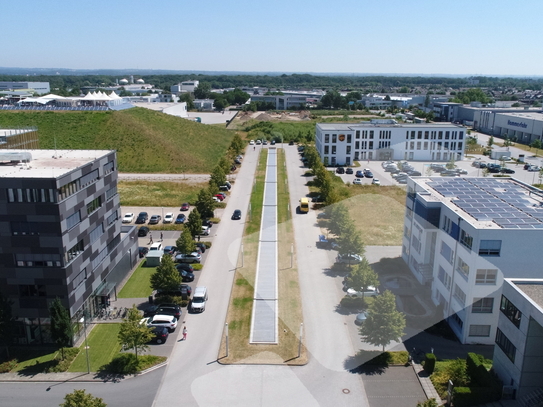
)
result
[(254, 148), (185, 333), (161, 237), (198, 237), (150, 238)]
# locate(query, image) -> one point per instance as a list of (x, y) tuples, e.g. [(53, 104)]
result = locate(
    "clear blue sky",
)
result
[(463, 37)]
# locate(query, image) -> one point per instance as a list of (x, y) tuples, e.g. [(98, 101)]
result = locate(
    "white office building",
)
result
[(41, 88), (184, 87), (344, 143), (463, 236)]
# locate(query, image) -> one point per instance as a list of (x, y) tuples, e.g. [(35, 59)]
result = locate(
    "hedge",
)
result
[(472, 396), (430, 363)]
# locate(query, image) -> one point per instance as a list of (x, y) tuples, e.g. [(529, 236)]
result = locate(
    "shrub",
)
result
[(478, 373), (430, 363), (472, 396), (123, 363), (197, 266), (353, 303), (208, 244), (8, 366), (58, 364)]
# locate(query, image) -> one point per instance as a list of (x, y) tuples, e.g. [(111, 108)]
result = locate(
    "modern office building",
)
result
[(344, 143), (60, 235), (287, 99), (518, 354), (184, 87), (463, 236), (40, 88)]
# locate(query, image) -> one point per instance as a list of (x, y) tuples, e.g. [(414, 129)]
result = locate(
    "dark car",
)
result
[(207, 223), (368, 174), (142, 251), (291, 143), (349, 171), (155, 219), (201, 246), (236, 215), (183, 289), (181, 218), (507, 171), (233, 168), (318, 199), (170, 250), (142, 218), (272, 142), (340, 170), (323, 243), (186, 276), (170, 309), (142, 231), (185, 206), (160, 334), (359, 174), (527, 165), (185, 266), (237, 161)]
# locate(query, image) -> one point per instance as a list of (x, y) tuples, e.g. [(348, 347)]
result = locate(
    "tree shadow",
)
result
[(109, 377), (367, 362)]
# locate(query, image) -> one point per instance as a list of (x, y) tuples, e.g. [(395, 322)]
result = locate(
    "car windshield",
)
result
[(197, 300)]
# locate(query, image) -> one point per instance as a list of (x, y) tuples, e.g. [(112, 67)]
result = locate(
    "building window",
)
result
[(73, 220), (490, 247), (326, 149), (357, 145), (510, 311), (466, 239), (333, 149), (486, 276), (80, 278), (326, 138), (32, 290), (94, 205), (349, 137), (426, 133), (334, 138), (348, 150), (99, 259), (463, 268), (112, 218), (505, 345), (24, 228), (110, 193), (357, 134), (444, 278), (458, 320), (75, 251), (37, 260), (109, 167), (88, 179), (371, 134), (459, 295), (96, 233), (483, 305), (447, 252), (479, 330), (31, 195), (419, 135)]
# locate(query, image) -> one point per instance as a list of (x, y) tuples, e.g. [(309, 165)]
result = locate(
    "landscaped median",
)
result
[(240, 351)]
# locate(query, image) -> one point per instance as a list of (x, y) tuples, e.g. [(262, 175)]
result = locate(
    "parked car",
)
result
[(201, 246), (236, 215), (142, 218), (507, 171), (527, 165), (371, 291), (375, 181), (357, 181), (323, 243), (180, 218), (461, 171), (361, 318), (252, 143), (185, 206), (155, 219), (237, 161), (348, 258), (208, 223), (317, 199), (349, 171), (291, 143), (168, 218), (142, 251), (533, 168), (170, 250), (272, 142), (170, 309), (359, 174), (264, 142), (323, 215), (258, 142), (368, 174), (222, 194), (182, 289), (185, 266), (220, 197), (128, 218), (142, 231), (186, 276), (205, 231), (166, 321), (193, 257), (160, 334), (340, 170)]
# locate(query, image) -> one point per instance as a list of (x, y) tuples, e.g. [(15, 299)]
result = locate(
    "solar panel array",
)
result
[(502, 201)]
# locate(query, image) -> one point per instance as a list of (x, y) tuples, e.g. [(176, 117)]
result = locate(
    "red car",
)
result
[(219, 197), (185, 207)]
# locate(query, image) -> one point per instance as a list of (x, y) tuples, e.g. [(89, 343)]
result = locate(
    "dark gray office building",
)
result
[(60, 235)]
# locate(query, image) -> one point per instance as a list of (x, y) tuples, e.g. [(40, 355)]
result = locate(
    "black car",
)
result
[(186, 276), (170, 309), (160, 334), (180, 218), (236, 215), (171, 250), (185, 266), (142, 231), (291, 143), (142, 218), (142, 251), (527, 165), (340, 170), (207, 223), (237, 162), (318, 199), (349, 171), (324, 243), (201, 246), (272, 142), (507, 171), (183, 289)]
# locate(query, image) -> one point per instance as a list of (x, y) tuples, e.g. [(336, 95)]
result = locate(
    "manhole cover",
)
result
[(346, 391)]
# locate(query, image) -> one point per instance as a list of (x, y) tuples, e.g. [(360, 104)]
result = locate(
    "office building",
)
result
[(60, 235), (41, 88), (344, 143)]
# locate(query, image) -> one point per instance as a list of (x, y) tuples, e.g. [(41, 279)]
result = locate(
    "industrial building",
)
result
[(344, 143), (60, 235), (463, 236), (41, 88)]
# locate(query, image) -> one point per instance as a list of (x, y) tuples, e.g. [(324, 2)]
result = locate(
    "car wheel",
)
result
[(159, 341)]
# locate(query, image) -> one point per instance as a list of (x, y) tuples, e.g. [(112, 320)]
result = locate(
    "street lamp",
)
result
[(85, 313)]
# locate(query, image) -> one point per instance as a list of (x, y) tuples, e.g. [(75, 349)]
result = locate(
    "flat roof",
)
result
[(353, 126), (525, 115), (533, 288), (50, 163), (486, 203)]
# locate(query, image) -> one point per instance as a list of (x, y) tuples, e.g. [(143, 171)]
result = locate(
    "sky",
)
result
[(460, 37)]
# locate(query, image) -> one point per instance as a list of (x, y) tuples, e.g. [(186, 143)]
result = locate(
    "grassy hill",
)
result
[(146, 141)]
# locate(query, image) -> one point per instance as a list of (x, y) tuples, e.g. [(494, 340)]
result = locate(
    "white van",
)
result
[(198, 303), (156, 246)]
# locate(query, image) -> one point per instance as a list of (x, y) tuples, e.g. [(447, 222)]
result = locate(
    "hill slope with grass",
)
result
[(146, 141)]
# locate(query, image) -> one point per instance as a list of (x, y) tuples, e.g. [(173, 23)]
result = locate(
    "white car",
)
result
[(371, 291), (376, 182), (357, 181), (258, 142), (168, 218), (166, 321), (252, 143), (128, 218)]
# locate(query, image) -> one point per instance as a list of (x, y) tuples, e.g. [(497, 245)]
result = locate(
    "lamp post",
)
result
[(85, 313)]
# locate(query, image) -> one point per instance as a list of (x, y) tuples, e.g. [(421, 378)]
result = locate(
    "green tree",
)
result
[(350, 241), (537, 145), (428, 403), (78, 398), (185, 244), (427, 100), (185, 97), (194, 223), (205, 204), (220, 103), (362, 276), (166, 276), (218, 177), (61, 325), (6, 322), (237, 145), (133, 334), (451, 165), (490, 142), (384, 323), (202, 91), (339, 219)]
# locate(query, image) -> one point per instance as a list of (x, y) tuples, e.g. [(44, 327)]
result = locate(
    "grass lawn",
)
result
[(103, 346), (241, 301), (138, 285), (29, 357), (163, 193)]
